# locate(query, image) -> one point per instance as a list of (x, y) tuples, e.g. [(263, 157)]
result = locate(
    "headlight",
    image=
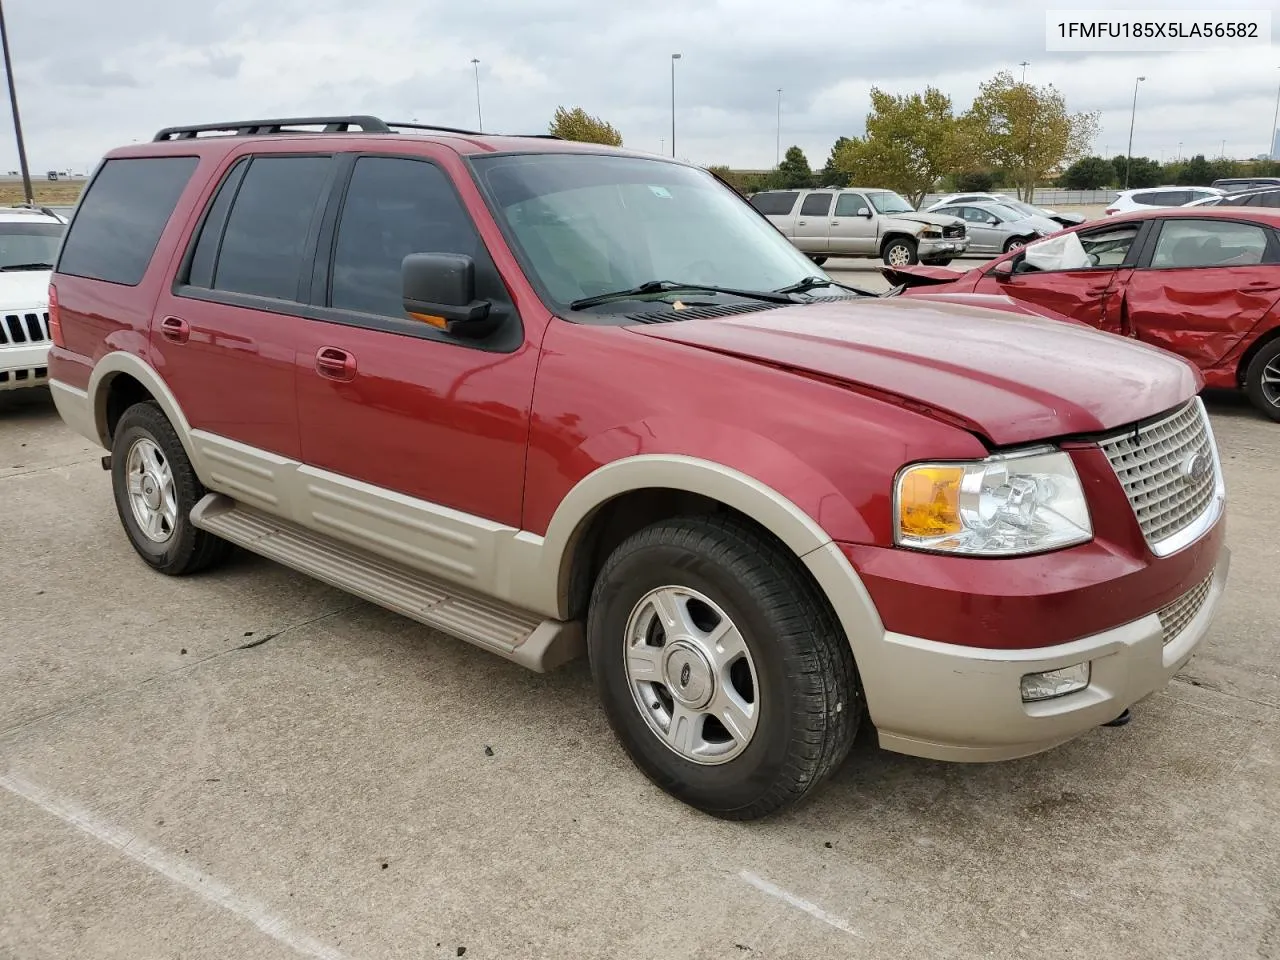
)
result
[(1006, 505), (931, 233)]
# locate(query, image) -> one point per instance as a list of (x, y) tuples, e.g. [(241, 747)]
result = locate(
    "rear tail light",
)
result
[(55, 322)]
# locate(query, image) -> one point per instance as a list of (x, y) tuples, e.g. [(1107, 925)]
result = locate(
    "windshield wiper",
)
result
[(669, 286), (26, 266), (813, 283)]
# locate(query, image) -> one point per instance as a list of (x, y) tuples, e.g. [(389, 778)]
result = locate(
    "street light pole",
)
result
[(1128, 160), (777, 150), (479, 117), (1271, 147), (1024, 64), (674, 58), (17, 120)]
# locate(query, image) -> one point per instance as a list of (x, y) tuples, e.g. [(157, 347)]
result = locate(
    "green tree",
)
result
[(577, 124), (793, 172), (832, 175), (739, 181), (1143, 172), (1088, 173), (911, 141), (1196, 172), (975, 181), (1027, 130)]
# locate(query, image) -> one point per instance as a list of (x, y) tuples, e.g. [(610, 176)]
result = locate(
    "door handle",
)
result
[(335, 363), (175, 329), (1261, 285), (802, 223), (835, 223)]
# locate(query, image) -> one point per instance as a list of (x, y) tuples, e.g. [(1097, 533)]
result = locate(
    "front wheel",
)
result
[(899, 252), (937, 262), (819, 260), (722, 671), (155, 488), (1262, 380), (1014, 243)]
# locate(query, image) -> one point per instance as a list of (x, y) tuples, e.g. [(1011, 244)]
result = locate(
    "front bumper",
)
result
[(936, 248), (949, 702), (24, 366)]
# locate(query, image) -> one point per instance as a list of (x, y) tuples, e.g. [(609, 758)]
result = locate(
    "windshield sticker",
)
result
[(662, 192)]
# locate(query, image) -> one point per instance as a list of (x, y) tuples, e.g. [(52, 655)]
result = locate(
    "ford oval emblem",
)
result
[(1197, 466)]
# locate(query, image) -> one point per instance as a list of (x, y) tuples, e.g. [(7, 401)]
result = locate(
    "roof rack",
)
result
[(41, 209), (353, 124), (251, 128)]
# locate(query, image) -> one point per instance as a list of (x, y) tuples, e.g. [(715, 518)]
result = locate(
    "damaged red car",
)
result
[(1203, 283)]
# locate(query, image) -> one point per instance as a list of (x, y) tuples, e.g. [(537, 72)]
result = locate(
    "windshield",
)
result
[(587, 225), (29, 243), (886, 201), (1003, 212)]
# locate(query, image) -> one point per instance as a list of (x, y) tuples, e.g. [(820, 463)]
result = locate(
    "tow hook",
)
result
[(106, 462), (1121, 720)]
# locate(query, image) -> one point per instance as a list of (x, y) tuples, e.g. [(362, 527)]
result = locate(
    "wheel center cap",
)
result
[(151, 493), (688, 674)]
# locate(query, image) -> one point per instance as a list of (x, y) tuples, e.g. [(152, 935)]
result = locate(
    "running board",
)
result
[(522, 637)]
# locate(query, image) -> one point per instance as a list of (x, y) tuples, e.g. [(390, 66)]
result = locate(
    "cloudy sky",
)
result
[(96, 73)]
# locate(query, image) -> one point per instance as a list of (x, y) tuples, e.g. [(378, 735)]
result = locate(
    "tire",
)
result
[(1014, 243), (174, 546), (1262, 380), (795, 664), (899, 252), (819, 260), (938, 262)]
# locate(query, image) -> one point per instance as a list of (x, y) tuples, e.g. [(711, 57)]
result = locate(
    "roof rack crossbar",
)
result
[(249, 128)]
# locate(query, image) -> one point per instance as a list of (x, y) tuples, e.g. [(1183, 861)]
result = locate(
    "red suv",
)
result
[(555, 398)]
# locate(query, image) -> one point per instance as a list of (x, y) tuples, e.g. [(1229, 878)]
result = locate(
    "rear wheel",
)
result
[(1262, 380), (155, 488), (899, 252), (721, 669), (937, 262), (819, 260), (1014, 243)]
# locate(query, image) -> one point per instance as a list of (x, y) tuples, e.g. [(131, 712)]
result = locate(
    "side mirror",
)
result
[(864, 212), (1003, 271), (994, 221), (440, 289)]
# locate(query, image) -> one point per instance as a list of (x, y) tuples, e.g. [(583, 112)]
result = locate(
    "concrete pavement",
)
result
[(249, 764)]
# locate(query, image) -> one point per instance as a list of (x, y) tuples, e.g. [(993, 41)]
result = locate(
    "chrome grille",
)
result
[(18, 328), (1169, 471), (953, 232), (1175, 616)]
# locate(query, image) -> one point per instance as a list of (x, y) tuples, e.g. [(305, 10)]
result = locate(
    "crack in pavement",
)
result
[(72, 706)]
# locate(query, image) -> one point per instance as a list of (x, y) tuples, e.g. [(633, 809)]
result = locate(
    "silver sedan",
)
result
[(996, 228)]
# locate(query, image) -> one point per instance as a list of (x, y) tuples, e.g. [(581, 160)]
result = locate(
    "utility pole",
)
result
[(17, 120), (1024, 65), (674, 58), (777, 151), (479, 117), (1271, 146), (1128, 161)]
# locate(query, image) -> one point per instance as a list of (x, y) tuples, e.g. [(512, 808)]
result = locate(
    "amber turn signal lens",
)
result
[(929, 501), (432, 319)]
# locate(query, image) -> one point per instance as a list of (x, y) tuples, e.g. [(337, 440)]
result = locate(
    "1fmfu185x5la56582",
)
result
[(560, 399)]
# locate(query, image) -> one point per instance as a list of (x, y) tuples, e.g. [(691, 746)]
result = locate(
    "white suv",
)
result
[(29, 240), (1160, 197)]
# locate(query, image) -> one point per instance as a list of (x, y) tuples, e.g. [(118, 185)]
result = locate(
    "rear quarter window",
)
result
[(775, 204), (119, 221)]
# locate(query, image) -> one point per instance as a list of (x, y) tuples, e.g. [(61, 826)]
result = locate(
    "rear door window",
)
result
[(265, 245), (775, 204), (816, 205), (120, 220)]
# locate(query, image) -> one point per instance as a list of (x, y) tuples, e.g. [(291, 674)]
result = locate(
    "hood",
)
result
[(1042, 224), (920, 275), (1005, 376), (937, 219), (24, 288)]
